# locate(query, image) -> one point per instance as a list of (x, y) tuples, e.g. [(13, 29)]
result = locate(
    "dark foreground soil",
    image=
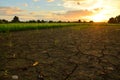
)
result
[(61, 54)]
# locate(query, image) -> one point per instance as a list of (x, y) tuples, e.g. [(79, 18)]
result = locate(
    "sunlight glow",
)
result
[(98, 18)]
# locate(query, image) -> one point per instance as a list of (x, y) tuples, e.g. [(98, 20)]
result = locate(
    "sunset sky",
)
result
[(67, 10)]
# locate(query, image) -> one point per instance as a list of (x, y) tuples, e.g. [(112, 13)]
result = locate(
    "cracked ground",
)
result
[(69, 53)]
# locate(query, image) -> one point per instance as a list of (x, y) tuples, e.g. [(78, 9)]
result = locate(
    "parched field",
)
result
[(67, 53)]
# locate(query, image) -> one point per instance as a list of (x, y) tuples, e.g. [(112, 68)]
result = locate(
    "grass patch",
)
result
[(32, 26)]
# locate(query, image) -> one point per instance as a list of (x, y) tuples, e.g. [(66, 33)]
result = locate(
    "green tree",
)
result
[(38, 21), (91, 21), (118, 19), (50, 21), (16, 19), (42, 21), (79, 21), (112, 20), (3, 21)]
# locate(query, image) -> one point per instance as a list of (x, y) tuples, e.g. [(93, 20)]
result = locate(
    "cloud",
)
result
[(38, 7), (47, 15), (26, 5), (36, 0), (27, 17), (76, 14), (82, 4), (98, 9), (50, 0), (69, 15), (10, 10)]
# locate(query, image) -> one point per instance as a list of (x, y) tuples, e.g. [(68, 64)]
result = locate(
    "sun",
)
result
[(98, 18)]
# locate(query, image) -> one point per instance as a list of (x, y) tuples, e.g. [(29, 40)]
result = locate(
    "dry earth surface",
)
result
[(61, 54)]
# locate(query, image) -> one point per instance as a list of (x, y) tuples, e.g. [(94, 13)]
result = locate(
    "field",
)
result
[(60, 51)]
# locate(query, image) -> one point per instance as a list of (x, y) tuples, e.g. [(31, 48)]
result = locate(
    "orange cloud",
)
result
[(76, 14), (10, 10)]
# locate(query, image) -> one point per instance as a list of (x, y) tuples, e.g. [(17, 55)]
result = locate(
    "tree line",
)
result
[(114, 19), (17, 20)]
